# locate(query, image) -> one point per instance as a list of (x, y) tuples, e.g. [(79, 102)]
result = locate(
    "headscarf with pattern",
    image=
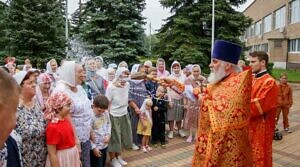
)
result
[(56, 101)]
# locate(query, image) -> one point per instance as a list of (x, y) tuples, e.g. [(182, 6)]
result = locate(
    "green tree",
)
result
[(35, 30), (113, 29), (186, 35), (78, 18), (3, 7)]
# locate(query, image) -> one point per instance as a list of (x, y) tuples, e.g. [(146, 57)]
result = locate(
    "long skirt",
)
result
[(66, 158), (175, 113)]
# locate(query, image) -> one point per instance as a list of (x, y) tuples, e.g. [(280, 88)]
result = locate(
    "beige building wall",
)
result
[(277, 39)]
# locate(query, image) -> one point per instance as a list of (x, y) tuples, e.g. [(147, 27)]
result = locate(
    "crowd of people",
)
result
[(77, 113)]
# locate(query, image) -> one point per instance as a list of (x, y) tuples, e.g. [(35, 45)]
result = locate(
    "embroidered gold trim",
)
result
[(257, 104)]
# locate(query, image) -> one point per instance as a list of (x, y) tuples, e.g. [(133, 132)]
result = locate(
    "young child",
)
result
[(60, 137), (145, 124), (285, 101), (160, 109), (101, 128)]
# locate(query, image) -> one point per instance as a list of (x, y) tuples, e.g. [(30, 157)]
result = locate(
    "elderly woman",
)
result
[(51, 71), (95, 81), (192, 105), (43, 89), (136, 97), (161, 68), (123, 64), (100, 69), (71, 77), (111, 75), (30, 122)]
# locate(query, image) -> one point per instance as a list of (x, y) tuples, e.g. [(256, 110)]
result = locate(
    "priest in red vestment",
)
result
[(264, 101), (222, 138)]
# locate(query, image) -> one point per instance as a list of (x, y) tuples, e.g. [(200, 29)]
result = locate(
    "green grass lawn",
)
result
[(293, 75)]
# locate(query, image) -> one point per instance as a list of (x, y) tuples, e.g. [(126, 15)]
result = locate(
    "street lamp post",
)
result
[(66, 26), (150, 39)]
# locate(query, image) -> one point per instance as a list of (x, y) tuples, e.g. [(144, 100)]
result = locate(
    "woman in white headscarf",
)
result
[(110, 75), (117, 94), (123, 64), (71, 77), (175, 113), (30, 122), (95, 81), (51, 68), (195, 83), (100, 69)]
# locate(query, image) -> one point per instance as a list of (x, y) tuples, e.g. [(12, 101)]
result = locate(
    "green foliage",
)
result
[(149, 42), (35, 30), (293, 75), (113, 29), (270, 67), (186, 35), (3, 7)]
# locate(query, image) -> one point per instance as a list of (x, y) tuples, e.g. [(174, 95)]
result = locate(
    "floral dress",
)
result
[(31, 127)]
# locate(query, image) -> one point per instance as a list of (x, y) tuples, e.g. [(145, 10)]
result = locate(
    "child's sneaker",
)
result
[(189, 139), (144, 149), (148, 148), (163, 146)]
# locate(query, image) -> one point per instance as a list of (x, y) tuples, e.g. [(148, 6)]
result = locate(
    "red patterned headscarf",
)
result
[(55, 102)]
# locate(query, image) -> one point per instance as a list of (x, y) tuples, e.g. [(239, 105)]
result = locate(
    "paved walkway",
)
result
[(286, 153)]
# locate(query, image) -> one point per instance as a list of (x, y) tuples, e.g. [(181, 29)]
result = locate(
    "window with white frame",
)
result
[(265, 47), (267, 23), (280, 18), (294, 45), (294, 11), (256, 48), (258, 28)]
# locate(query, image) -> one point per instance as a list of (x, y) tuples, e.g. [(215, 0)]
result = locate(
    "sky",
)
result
[(153, 13)]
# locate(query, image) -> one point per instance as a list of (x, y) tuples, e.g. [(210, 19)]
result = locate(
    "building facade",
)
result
[(276, 30)]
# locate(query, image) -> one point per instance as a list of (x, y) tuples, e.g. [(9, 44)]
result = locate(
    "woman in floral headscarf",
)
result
[(43, 89)]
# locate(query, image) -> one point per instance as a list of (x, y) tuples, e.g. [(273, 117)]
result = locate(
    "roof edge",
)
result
[(248, 6)]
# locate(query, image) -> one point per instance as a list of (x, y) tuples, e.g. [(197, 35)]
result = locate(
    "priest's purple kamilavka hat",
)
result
[(226, 51)]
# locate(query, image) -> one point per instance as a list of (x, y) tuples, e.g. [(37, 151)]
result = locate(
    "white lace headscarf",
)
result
[(67, 73), (49, 68)]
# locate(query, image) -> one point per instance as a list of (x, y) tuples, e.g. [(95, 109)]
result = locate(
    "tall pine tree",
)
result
[(35, 30), (186, 35), (3, 7), (113, 29)]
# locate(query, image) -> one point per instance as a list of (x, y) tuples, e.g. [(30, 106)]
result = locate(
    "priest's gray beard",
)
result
[(216, 76)]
